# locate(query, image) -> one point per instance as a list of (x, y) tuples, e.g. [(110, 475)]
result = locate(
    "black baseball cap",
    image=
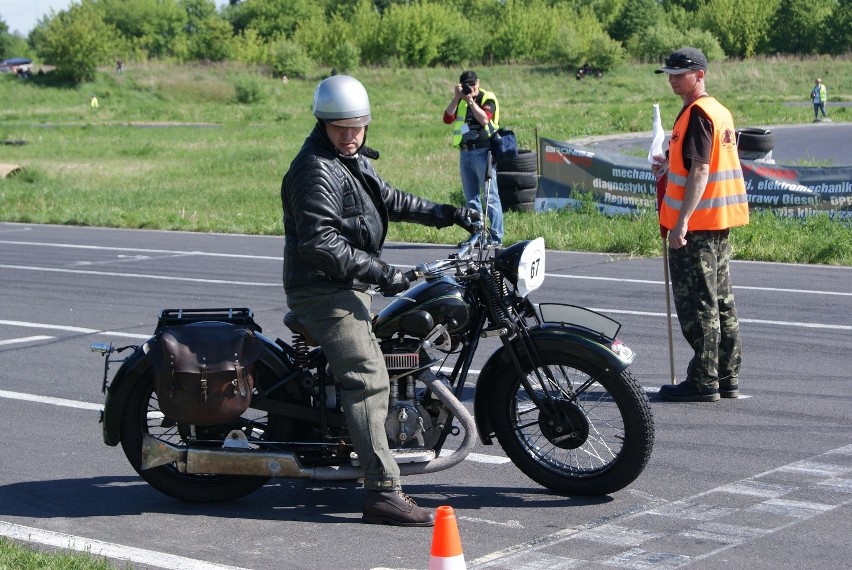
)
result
[(468, 77), (684, 60)]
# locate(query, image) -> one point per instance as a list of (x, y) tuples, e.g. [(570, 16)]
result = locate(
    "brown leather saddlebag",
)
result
[(204, 371)]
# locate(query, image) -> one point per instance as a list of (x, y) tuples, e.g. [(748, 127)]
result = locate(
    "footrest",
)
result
[(402, 456), (413, 455)]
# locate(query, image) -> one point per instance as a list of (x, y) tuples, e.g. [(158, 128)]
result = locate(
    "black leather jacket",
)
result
[(336, 213)]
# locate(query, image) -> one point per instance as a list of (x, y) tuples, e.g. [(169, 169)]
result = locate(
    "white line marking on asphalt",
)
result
[(617, 535), (114, 551), (726, 533), (776, 500), (24, 339), (139, 276), (507, 524), (655, 390), (142, 250), (50, 400), (277, 258), (72, 329), (757, 321), (792, 509), (653, 282), (478, 457)]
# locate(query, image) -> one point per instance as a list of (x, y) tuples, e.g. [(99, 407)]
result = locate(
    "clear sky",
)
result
[(22, 15)]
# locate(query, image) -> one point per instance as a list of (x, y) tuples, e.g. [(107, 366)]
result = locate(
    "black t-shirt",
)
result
[(698, 138)]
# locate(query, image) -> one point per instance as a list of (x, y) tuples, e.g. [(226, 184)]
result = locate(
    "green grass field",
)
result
[(173, 148)]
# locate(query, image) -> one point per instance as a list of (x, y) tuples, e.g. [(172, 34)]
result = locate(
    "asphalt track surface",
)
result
[(763, 481), (760, 482), (827, 143)]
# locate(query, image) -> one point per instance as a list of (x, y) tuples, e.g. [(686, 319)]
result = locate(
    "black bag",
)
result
[(204, 371), (504, 144)]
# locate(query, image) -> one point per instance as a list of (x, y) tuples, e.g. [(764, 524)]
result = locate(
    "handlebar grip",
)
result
[(411, 275)]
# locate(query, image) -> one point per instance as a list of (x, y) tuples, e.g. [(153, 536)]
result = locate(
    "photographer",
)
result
[(475, 116)]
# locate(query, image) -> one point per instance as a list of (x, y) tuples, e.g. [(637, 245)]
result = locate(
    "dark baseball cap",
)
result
[(684, 60), (468, 77)]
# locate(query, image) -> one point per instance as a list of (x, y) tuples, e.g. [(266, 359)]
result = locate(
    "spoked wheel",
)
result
[(595, 438), (142, 415)]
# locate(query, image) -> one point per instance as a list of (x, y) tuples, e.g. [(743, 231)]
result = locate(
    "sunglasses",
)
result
[(682, 62)]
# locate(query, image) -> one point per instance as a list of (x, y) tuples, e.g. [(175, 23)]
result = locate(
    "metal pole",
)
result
[(668, 307)]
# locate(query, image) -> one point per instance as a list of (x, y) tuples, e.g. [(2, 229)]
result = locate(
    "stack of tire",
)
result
[(755, 144), (517, 180)]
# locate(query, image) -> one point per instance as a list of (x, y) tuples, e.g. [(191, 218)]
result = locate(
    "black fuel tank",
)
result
[(443, 299)]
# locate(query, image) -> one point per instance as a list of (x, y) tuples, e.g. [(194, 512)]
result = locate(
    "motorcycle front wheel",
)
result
[(142, 416), (595, 439)]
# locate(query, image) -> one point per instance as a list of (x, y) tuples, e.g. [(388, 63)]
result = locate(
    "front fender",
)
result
[(572, 340), (137, 365)]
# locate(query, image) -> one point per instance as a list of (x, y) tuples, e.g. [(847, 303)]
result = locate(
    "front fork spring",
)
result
[(493, 297)]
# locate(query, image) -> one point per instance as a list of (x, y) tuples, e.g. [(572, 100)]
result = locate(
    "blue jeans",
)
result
[(472, 166)]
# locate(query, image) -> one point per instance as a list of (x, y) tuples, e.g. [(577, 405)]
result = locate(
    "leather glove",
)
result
[(392, 281), (467, 218)]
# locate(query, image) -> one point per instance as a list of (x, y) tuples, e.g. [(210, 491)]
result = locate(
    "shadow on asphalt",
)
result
[(304, 501)]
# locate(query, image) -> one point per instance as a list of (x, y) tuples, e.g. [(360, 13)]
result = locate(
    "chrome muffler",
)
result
[(230, 460)]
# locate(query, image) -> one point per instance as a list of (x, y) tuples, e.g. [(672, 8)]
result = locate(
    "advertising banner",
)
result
[(625, 185)]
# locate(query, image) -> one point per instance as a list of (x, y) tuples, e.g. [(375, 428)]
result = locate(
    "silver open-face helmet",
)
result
[(342, 101)]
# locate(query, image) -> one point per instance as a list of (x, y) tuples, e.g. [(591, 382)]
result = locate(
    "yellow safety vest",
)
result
[(461, 113), (724, 203)]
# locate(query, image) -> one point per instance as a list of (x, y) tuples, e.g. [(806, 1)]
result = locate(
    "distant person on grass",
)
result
[(819, 96)]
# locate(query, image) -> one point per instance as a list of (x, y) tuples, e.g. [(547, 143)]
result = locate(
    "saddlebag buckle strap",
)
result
[(204, 372)]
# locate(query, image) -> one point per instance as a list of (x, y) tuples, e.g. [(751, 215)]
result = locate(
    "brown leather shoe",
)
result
[(395, 508)]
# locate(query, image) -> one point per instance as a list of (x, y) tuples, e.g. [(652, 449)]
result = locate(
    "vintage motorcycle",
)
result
[(556, 393)]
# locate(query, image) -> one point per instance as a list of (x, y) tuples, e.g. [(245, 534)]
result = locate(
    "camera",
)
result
[(467, 88)]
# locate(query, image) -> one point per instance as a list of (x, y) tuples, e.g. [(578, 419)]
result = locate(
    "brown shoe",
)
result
[(395, 508)]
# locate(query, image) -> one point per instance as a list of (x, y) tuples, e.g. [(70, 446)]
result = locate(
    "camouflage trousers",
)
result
[(704, 301)]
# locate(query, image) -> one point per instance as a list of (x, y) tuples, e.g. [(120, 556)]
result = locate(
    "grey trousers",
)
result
[(339, 319)]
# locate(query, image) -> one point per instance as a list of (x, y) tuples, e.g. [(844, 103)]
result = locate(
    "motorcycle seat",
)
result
[(292, 322)]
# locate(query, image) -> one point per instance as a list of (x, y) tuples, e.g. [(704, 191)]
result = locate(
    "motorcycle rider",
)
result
[(336, 213)]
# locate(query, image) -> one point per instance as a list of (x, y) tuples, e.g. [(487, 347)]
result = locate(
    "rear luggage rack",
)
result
[(242, 316)]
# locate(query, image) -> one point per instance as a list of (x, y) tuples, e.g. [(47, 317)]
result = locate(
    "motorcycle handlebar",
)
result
[(439, 265)]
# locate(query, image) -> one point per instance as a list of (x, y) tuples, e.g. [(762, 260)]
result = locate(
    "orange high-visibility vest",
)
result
[(724, 203)]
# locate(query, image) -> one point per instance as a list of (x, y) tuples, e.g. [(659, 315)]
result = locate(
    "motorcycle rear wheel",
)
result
[(595, 445), (142, 416)]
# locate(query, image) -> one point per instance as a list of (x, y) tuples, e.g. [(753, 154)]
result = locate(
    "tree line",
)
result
[(291, 37)]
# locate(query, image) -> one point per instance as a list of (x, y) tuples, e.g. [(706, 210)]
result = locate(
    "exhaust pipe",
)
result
[(239, 460), (223, 461)]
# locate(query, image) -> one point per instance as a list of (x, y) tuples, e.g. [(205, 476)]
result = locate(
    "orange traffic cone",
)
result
[(446, 542)]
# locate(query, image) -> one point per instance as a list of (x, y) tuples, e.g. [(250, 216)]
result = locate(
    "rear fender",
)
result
[(128, 375), (579, 342), (135, 369)]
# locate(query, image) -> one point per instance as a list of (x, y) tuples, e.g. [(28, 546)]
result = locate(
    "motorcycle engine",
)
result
[(409, 424)]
